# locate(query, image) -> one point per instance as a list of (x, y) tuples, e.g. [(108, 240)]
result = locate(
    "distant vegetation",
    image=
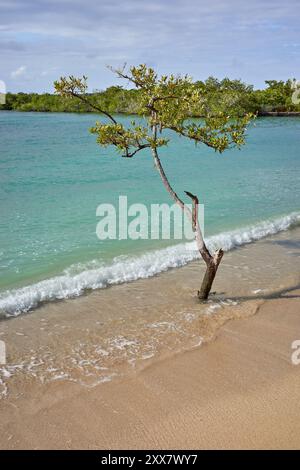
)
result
[(234, 96)]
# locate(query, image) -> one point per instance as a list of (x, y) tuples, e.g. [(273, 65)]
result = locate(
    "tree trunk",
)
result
[(209, 276), (212, 261)]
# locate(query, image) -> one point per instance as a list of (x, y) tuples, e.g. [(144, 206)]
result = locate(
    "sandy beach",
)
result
[(221, 376)]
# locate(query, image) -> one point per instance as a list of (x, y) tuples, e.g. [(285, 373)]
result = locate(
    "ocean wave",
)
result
[(72, 283)]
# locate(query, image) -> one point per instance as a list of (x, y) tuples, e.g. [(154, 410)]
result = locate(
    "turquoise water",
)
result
[(53, 176)]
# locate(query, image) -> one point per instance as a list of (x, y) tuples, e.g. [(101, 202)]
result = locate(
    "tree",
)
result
[(166, 102), (278, 96)]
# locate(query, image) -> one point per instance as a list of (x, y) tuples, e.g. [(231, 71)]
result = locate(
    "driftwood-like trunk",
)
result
[(209, 276)]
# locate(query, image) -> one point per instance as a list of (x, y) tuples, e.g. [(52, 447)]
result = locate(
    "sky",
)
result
[(41, 40)]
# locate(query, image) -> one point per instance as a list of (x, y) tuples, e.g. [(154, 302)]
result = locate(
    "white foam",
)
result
[(125, 269)]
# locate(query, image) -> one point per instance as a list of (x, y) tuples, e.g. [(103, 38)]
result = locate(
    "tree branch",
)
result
[(184, 134), (140, 147), (97, 108), (127, 77), (195, 209)]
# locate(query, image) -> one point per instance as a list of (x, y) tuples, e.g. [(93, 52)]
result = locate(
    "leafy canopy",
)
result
[(166, 103)]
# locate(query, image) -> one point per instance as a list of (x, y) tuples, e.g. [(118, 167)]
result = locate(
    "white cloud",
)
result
[(248, 40), (19, 72)]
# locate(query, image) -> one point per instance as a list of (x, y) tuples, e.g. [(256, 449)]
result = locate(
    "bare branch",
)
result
[(197, 229), (97, 108), (121, 74), (195, 209)]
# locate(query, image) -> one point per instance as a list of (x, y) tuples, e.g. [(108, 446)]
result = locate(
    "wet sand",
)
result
[(143, 365)]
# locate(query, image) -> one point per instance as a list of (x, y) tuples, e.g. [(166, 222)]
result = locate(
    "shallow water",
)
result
[(114, 332), (53, 176)]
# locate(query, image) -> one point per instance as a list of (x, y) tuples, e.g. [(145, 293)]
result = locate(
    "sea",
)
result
[(53, 177)]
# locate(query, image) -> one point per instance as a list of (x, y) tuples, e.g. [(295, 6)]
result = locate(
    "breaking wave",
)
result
[(77, 279)]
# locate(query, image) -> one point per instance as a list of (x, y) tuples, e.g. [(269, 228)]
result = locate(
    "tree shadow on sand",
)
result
[(284, 293), (277, 294), (289, 244)]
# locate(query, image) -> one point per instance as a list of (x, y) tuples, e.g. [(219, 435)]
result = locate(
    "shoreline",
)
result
[(259, 113), (177, 394), (122, 270), (279, 113)]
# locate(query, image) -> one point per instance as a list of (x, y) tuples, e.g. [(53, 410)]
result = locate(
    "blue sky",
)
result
[(41, 40)]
